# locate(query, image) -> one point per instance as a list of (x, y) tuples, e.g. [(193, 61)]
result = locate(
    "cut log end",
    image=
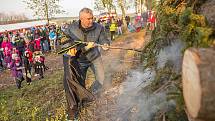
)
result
[(198, 78), (191, 82)]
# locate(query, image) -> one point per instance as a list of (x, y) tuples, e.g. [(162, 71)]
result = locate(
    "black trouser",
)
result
[(21, 52), (112, 33), (19, 82), (28, 74), (73, 85), (1, 59), (1, 63), (39, 69)]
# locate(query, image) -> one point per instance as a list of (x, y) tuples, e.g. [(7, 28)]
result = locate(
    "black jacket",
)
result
[(96, 34)]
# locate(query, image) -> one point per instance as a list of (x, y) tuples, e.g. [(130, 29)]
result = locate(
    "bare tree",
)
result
[(108, 4), (99, 6), (121, 4), (44, 8)]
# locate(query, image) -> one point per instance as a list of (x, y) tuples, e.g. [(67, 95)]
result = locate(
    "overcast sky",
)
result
[(72, 7)]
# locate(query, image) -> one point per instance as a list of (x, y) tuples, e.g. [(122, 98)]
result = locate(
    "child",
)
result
[(39, 65), (30, 58), (1, 59), (16, 68), (37, 46), (7, 56), (14, 53), (53, 40), (6, 45), (27, 65)]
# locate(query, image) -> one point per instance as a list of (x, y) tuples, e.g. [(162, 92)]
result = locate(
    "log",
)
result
[(190, 118), (198, 79)]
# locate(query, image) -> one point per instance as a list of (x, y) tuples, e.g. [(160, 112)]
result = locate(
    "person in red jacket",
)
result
[(6, 45), (30, 58), (37, 46), (152, 20)]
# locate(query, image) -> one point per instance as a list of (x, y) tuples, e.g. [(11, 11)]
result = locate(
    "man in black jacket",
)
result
[(88, 31), (88, 55)]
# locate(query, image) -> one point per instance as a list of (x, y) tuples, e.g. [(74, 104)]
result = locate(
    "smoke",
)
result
[(149, 105), (114, 63), (131, 105), (171, 54), (130, 101)]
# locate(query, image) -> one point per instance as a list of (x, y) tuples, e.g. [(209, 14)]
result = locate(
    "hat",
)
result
[(26, 52)]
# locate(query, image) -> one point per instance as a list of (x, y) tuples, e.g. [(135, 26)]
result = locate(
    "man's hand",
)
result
[(105, 46), (89, 45), (72, 52)]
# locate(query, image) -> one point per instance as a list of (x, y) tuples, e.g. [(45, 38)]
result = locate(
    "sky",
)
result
[(72, 7)]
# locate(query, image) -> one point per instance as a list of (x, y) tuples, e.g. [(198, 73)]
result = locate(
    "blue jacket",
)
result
[(52, 35), (96, 34)]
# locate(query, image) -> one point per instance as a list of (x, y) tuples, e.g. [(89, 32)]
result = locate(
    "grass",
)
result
[(42, 100)]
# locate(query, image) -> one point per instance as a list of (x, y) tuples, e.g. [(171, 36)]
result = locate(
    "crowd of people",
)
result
[(22, 51), (114, 24)]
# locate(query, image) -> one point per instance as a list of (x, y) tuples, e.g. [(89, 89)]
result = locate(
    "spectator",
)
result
[(6, 45), (53, 39), (137, 24), (39, 64), (37, 45), (119, 26), (44, 40), (27, 65), (1, 52), (152, 21), (16, 69), (131, 28), (20, 45), (127, 19), (113, 28), (14, 53)]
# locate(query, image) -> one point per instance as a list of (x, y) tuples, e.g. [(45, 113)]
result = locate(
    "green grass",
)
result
[(42, 100)]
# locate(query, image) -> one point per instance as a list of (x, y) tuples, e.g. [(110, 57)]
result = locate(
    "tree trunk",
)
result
[(123, 13), (47, 12), (198, 74)]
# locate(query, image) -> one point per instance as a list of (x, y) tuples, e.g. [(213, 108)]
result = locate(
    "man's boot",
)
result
[(72, 113)]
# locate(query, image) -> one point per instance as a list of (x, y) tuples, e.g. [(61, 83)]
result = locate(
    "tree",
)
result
[(99, 6), (108, 4), (121, 4), (44, 8)]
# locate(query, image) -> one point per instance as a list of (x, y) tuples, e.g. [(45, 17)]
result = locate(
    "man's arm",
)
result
[(67, 40), (69, 43), (103, 39)]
